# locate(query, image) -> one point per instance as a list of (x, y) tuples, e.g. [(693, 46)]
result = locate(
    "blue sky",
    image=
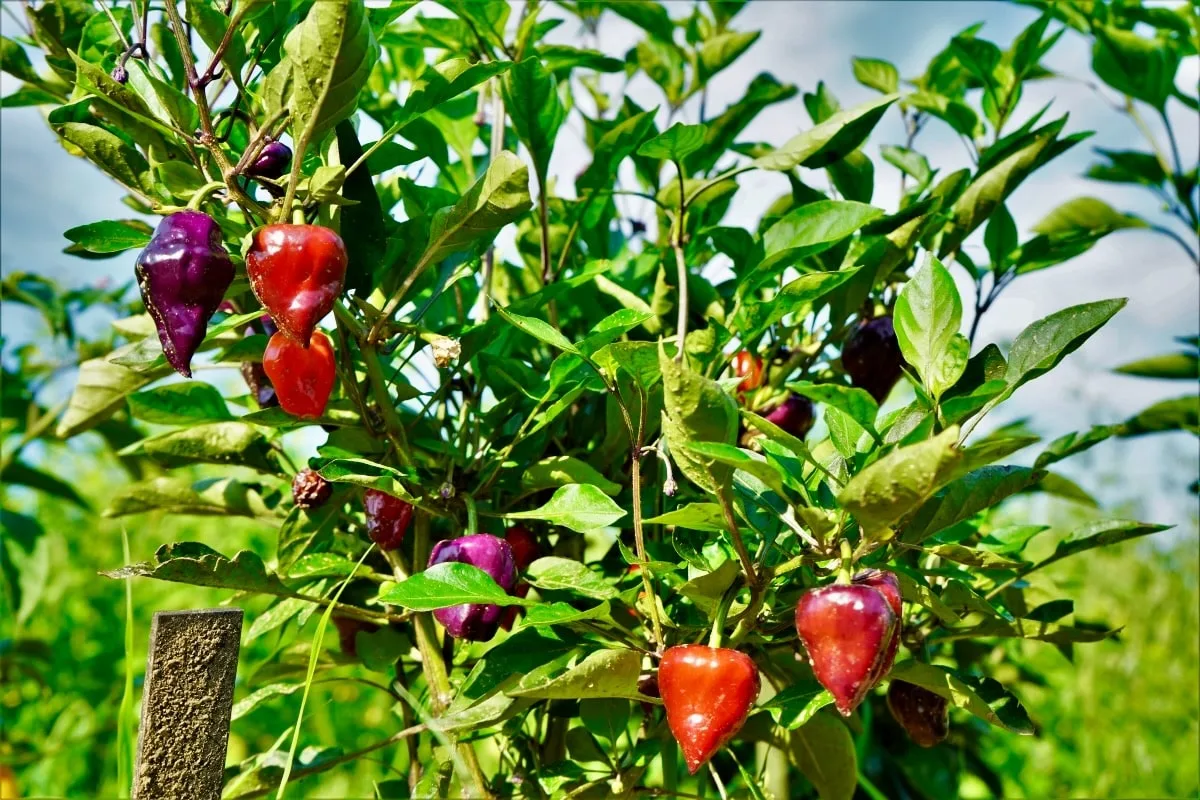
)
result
[(43, 192)]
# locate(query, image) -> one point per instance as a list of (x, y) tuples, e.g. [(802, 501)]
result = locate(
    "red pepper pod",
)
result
[(846, 631), (707, 693), (887, 584), (388, 518), (183, 273), (296, 272), (749, 367), (925, 716), (303, 377)]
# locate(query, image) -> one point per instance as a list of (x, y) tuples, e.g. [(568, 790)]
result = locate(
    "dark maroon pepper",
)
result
[(494, 556), (871, 357), (310, 490), (253, 373), (183, 274), (794, 415), (272, 162)]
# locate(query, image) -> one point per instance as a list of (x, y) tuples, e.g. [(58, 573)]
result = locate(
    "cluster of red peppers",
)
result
[(297, 272)]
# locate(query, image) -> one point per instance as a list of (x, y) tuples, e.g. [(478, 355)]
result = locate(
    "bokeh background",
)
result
[(1122, 719)]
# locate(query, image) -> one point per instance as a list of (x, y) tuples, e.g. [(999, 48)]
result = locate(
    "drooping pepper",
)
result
[(310, 490), (303, 377), (253, 373), (794, 415), (925, 716), (183, 274), (846, 631), (749, 367), (707, 692), (525, 551), (388, 518), (493, 555), (272, 162), (888, 585), (872, 358), (296, 272)]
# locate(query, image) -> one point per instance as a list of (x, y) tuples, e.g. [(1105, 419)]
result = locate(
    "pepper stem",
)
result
[(298, 216), (847, 562), (472, 514), (203, 193), (718, 629)]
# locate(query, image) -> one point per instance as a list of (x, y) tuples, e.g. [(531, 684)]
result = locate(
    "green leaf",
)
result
[(200, 565), (718, 52), (180, 404), (978, 559), (368, 474), (900, 482), (877, 74), (322, 565), (798, 703), (694, 516), (1000, 237), (675, 143), (739, 458), (538, 329), (496, 199), (987, 699), (603, 673), (614, 146), (1086, 215), (705, 591), (563, 614), (449, 584), (1139, 67), (1180, 413), (1173, 366), (811, 229), (1011, 539), (259, 696), (965, 497), (15, 61), (211, 24), (209, 443), (1041, 346), (100, 390), (823, 750), (111, 154), (558, 471), (110, 236), (1100, 534), (829, 141), (553, 572), (223, 497), (18, 473), (330, 55), (581, 507), (856, 403), (696, 410), (927, 317), (531, 99)]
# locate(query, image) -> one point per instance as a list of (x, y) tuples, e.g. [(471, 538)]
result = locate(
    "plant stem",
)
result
[(847, 561), (440, 692), (718, 632), (681, 266), (736, 535), (639, 541)]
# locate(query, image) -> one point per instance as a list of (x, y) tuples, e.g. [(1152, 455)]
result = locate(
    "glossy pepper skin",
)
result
[(707, 693), (871, 357), (273, 161), (846, 631), (388, 518), (925, 716), (183, 274), (749, 367), (794, 415), (888, 585), (296, 272), (525, 551), (303, 377), (493, 555)]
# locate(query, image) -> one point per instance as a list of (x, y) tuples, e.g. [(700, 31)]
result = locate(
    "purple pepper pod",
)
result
[(871, 357), (183, 274), (494, 556), (794, 415), (272, 162)]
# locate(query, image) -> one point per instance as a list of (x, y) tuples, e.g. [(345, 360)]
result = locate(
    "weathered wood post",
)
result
[(186, 704)]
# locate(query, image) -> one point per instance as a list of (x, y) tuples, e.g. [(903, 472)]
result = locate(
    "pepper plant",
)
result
[(558, 483)]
